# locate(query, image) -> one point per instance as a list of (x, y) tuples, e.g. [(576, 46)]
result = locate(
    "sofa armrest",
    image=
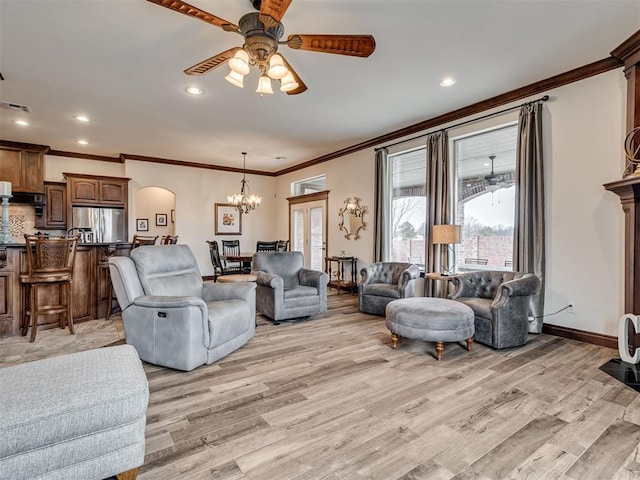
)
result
[(462, 286), (162, 301), (366, 275), (268, 279), (411, 273), (519, 287), (312, 278), (214, 292)]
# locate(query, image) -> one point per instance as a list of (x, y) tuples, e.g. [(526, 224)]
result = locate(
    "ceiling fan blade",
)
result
[(301, 86), (210, 63), (272, 11), (183, 7), (354, 45)]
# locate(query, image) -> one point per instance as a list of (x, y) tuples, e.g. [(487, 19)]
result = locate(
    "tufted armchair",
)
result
[(500, 303), (383, 282), (285, 288), (171, 316)]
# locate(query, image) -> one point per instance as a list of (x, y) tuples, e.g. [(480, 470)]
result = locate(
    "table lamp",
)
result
[(447, 235)]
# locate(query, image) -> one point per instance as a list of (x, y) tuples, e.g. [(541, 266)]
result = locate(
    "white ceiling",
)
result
[(121, 62)]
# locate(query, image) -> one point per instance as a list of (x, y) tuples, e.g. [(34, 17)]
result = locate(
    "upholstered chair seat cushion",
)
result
[(228, 319), (300, 291), (381, 290)]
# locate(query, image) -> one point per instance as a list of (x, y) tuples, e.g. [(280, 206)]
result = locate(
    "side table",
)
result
[(341, 281)]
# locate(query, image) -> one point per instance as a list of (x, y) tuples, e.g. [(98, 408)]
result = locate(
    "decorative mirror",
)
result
[(352, 215)]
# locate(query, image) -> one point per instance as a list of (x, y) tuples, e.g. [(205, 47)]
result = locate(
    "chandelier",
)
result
[(244, 201), (261, 45)]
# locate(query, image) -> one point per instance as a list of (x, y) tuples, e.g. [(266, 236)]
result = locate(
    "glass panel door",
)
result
[(308, 232)]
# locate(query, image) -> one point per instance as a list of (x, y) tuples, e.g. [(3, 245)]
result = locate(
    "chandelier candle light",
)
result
[(5, 194), (244, 201)]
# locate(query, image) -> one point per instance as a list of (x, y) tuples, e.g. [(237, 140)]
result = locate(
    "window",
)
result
[(485, 198), (310, 185), (408, 205)]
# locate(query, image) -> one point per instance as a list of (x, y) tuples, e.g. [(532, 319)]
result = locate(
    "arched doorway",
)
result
[(155, 211)]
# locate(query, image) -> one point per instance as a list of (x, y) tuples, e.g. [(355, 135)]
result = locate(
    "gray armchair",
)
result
[(384, 282), (171, 316), (285, 288), (500, 303)]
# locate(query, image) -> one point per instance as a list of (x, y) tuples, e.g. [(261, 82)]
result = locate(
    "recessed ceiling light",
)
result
[(22, 123), (195, 91), (83, 142), (447, 82), (81, 118)]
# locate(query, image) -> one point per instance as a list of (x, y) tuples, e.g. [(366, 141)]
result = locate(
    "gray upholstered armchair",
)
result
[(171, 316), (383, 282), (500, 303), (285, 288)]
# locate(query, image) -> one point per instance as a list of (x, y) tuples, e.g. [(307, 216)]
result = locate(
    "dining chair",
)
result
[(231, 247), (143, 240), (49, 262), (219, 267), (168, 239), (262, 246), (282, 245)]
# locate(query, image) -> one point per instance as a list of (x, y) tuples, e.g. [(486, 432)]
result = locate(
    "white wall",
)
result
[(54, 167), (584, 131)]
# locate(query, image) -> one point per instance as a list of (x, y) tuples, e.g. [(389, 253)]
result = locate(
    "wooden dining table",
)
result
[(243, 258)]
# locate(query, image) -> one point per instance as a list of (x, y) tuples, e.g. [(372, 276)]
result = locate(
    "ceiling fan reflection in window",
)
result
[(262, 32), (494, 181)]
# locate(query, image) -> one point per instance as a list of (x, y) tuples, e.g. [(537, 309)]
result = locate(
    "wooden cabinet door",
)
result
[(10, 170), (84, 191), (83, 284), (55, 212), (112, 192), (8, 281), (32, 171)]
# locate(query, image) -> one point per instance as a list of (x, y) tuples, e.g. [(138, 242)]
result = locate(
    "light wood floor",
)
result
[(329, 399)]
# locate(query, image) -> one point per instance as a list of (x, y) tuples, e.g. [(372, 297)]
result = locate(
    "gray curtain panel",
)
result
[(382, 207), (439, 206), (529, 235)]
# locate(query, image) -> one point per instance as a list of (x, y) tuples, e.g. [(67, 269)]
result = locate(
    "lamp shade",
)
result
[(240, 62), (446, 234), (235, 78), (288, 83), (264, 85), (277, 69)]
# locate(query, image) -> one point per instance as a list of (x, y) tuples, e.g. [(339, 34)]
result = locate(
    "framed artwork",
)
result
[(161, 219), (173, 216), (228, 220), (142, 224)]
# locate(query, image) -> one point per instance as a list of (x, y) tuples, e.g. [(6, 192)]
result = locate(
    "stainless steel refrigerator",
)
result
[(107, 224)]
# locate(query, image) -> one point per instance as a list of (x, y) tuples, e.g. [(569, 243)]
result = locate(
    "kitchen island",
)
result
[(90, 285)]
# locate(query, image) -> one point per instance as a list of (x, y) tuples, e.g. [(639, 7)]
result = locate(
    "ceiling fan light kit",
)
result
[(262, 32)]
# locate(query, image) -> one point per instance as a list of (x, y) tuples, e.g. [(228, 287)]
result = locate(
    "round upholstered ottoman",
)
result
[(430, 319)]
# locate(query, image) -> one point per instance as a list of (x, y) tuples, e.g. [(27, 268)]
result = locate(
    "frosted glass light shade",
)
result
[(277, 70), (288, 83), (235, 78), (264, 85), (240, 62)]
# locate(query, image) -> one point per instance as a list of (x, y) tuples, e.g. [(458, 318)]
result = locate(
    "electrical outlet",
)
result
[(571, 307)]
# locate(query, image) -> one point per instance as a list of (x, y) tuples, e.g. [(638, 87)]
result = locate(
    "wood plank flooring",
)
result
[(328, 399)]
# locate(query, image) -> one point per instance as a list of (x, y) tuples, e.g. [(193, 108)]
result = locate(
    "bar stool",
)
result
[(168, 239), (49, 262), (139, 240)]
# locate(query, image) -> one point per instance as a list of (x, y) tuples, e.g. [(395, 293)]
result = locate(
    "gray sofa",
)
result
[(171, 316), (500, 303), (286, 289), (383, 282)]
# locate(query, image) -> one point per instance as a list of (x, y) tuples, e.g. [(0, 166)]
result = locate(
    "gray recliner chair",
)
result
[(286, 289), (171, 316), (383, 282), (500, 303)]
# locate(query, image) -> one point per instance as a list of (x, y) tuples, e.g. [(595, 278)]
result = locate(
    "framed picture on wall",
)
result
[(161, 219), (142, 224), (228, 220)]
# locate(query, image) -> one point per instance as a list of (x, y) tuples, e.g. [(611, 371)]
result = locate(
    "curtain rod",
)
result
[(489, 115)]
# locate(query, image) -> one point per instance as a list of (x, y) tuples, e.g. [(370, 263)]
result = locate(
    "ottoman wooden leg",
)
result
[(128, 475), (469, 343), (394, 340), (439, 350)]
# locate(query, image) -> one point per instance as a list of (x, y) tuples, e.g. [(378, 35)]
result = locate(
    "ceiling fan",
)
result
[(493, 178), (262, 32)]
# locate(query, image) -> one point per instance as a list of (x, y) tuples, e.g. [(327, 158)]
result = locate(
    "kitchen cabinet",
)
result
[(89, 286), (55, 210), (95, 190), (23, 168)]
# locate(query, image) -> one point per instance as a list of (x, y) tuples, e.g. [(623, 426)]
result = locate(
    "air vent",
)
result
[(16, 107)]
